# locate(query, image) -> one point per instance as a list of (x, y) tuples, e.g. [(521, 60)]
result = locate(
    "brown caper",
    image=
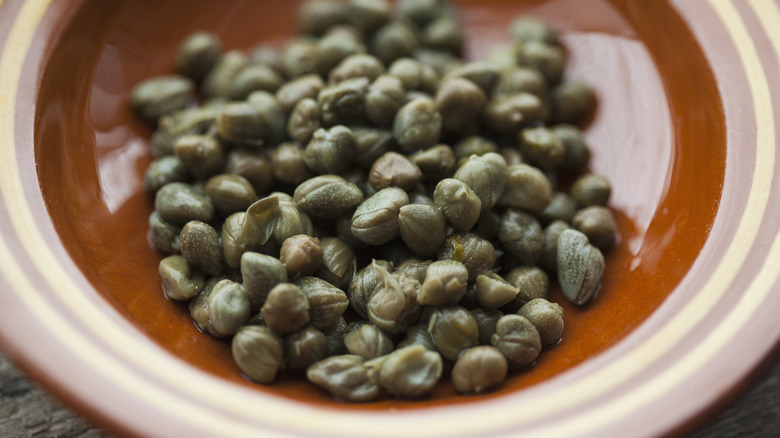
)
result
[(394, 169), (288, 165), (459, 101), (479, 369), (435, 163), (561, 208), (258, 353), (577, 150)]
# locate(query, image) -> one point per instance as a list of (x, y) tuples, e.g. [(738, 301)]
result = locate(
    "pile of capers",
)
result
[(365, 207)]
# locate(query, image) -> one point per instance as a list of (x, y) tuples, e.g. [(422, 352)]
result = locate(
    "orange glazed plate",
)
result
[(685, 128)]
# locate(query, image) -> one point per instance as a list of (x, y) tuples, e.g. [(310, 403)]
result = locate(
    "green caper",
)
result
[(484, 74), (445, 283), (492, 291), (541, 147), (375, 221), (414, 75), (338, 262), (506, 113), (202, 155), (472, 145), (330, 151), (549, 259), (372, 143), (161, 95), (591, 189), (230, 193), (307, 86), (327, 196), (518, 340), (417, 335), (454, 330), (332, 49), (479, 369), (180, 281), (421, 12), (286, 309), (547, 317), (577, 150), (476, 253), (335, 336), (444, 33), (200, 246), (198, 54), (526, 29), (385, 96), (486, 175), (393, 307), (417, 125), (580, 266), (304, 348), (254, 166), (288, 164), (345, 377), (228, 308), (526, 188), (258, 353), (459, 101), (240, 123), (394, 170), (326, 302), (343, 103), (368, 342), (254, 77), (363, 285), (220, 78), (486, 322), (304, 120), (392, 41), (179, 203), (561, 207), (316, 16), (368, 15), (261, 273), (410, 372), (268, 54), (163, 235), (598, 224), (164, 170), (548, 59), (572, 101), (521, 235), (517, 79), (531, 282), (422, 227), (359, 65)]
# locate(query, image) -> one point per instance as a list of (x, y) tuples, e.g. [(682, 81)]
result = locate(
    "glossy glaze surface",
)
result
[(657, 134)]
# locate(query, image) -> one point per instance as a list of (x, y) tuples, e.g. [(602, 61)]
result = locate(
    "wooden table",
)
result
[(26, 410)]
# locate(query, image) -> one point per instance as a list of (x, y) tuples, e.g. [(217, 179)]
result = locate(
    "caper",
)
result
[(598, 224), (330, 151), (332, 49), (394, 170), (164, 170), (549, 259), (363, 284), (254, 77), (258, 353), (528, 28), (368, 15), (158, 96), (561, 208), (454, 330), (445, 283), (444, 33), (304, 120), (526, 188), (261, 273), (492, 291), (304, 348), (422, 227), (393, 305), (338, 262), (368, 342), (230, 193), (254, 166), (200, 246), (180, 281), (547, 317), (572, 101), (435, 163), (163, 235), (203, 156), (482, 73), (531, 282), (303, 87), (288, 164), (480, 369), (517, 79), (548, 59), (298, 58), (518, 340), (421, 12), (459, 101), (327, 196), (228, 308), (356, 66), (409, 372), (316, 16), (343, 103), (219, 80), (179, 203), (486, 175), (476, 253), (375, 221), (580, 266), (591, 189), (286, 309), (521, 235), (414, 75), (417, 125), (417, 335), (472, 145), (301, 255), (326, 302), (541, 147), (392, 41), (486, 322), (345, 377), (506, 113), (577, 150), (384, 97), (335, 336), (198, 54)]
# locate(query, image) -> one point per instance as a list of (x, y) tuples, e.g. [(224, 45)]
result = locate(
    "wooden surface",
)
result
[(26, 410)]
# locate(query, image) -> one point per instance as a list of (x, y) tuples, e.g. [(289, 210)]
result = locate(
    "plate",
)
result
[(688, 96)]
